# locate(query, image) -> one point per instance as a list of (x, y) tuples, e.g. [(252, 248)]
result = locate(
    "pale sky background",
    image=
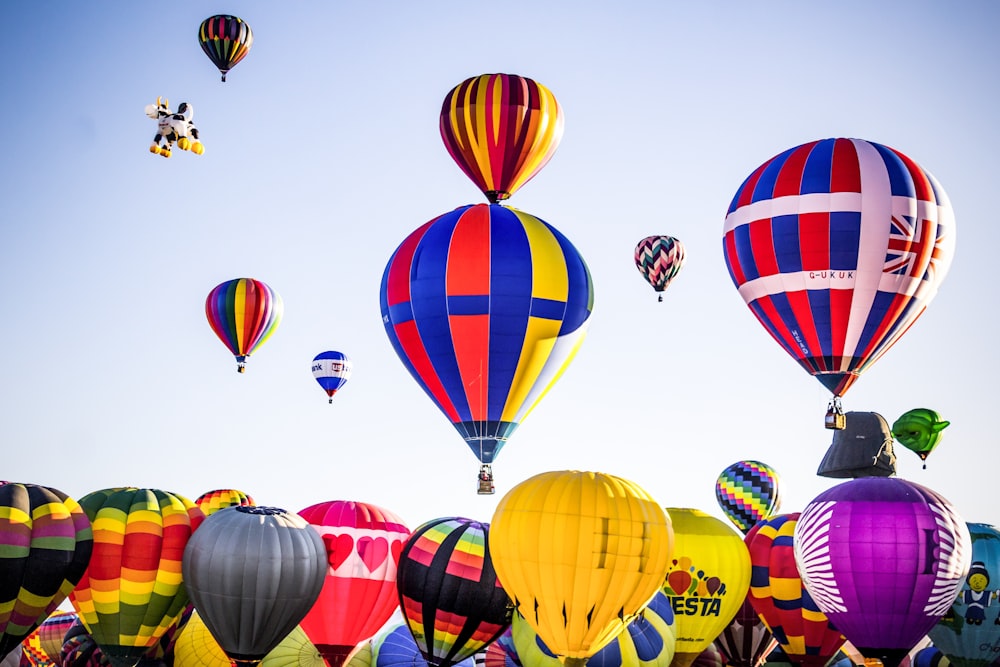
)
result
[(323, 153)]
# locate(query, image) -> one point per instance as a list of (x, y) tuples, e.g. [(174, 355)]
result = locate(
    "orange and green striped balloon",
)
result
[(133, 590), (213, 501), (45, 545)]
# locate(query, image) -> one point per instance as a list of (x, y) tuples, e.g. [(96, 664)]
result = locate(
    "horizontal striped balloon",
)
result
[(838, 246), (211, 502), (486, 306), (748, 492), (500, 129)]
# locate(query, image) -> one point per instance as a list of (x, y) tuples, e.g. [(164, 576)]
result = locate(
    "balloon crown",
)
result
[(268, 511)]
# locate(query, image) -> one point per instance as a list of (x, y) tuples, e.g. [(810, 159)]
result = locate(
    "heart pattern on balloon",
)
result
[(373, 551), (338, 548)]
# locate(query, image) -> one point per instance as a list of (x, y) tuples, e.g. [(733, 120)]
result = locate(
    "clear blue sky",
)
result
[(323, 153)]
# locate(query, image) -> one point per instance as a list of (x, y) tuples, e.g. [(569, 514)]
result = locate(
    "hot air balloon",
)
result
[(45, 545), (243, 313), (580, 554), (196, 647), (395, 647), (883, 558), (132, 592), (777, 594), (226, 40), (13, 659), (747, 640), (500, 129), (211, 502), (502, 652), (748, 493), (80, 650), (332, 370), (253, 573), (43, 645), (448, 590), (659, 259), (486, 307), (707, 581), (919, 430), (648, 641), (838, 246), (362, 543), (969, 633)]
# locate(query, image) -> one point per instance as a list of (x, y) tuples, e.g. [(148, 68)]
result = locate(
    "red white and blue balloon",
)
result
[(884, 559), (332, 370), (838, 246)]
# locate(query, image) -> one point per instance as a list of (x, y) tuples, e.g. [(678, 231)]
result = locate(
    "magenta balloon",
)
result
[(884, 559)]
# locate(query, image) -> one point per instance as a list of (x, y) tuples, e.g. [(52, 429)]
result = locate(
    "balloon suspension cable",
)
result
[(835, 417)]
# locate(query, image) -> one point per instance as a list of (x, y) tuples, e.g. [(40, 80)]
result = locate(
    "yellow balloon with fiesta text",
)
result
[(707, 581)]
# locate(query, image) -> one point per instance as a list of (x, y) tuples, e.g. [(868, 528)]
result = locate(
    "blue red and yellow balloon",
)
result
[(580, 554), (46, 543), (500, 129), (449, 594), (838, 246), (226, 40), (133, 591), (362, 545), (243, 313), (884, 558), (804, 633), (748, 492), (486, 306), (659, 260)]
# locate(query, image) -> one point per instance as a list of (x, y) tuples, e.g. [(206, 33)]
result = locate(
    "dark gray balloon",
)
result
[(253, 573)]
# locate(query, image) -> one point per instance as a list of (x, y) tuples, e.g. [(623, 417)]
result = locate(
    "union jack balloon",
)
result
[(659, 259), (838, 246)]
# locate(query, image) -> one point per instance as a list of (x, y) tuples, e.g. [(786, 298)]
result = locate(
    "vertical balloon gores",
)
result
[(243, 313), (226, 40), (659, 260), (837, 246), (486, 306), (500, 129)]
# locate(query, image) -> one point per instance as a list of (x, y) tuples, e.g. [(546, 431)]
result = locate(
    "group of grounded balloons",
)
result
[(577, 568)]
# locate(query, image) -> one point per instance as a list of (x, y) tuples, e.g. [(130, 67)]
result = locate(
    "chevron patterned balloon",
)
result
[(659, 259), (747, 492)]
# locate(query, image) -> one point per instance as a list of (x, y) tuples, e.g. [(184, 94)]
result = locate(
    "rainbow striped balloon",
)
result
[(133, 591), (500, 129), (243, 313), (213, 501), (747, 492)]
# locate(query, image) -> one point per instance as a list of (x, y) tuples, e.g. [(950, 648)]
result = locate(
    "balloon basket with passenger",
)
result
[(835, 418), (486, 480)]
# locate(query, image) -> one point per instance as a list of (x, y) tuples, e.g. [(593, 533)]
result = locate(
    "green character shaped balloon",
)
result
[(919, 430)]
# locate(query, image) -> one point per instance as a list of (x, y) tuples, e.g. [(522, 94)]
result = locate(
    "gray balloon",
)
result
[(253, 573)]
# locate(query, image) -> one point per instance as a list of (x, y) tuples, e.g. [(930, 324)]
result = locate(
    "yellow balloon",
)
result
[(196, 647), (580, 554), (707, 581)]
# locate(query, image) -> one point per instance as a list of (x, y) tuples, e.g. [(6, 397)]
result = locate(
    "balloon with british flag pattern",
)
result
[(838, 246)]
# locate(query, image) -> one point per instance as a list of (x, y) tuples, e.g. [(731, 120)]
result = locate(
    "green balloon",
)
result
[(919, 430)]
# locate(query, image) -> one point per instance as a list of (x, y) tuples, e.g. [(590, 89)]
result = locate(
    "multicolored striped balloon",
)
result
[(884, 558), (226, 40), (500, 129), (43, 645), (46, 542), (659, 259), (133, 591), (363, 542), (838, 246), (211, 502), (805, 634), (449, 592), (243, 313), (486, 306), (748, 492)]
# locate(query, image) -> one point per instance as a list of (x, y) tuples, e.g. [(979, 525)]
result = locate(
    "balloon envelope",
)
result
[(395, 647), (253, 573), (580, 554), (243, 313), (969, 633), (332, 370), (748, 492), (707, 581), (659, 259), (45, 545), (449, 594), (747, 640), (362, 543), (226, 40), (211, 502), (838, 246), (500, 129), (883, 558), (919, 430), (486, 307)]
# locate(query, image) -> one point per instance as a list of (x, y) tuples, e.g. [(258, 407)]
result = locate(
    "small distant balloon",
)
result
[(213, 501), (332, 370), (243, 313), (919, 430), (747, 492), (659, 259), (226, 40)]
